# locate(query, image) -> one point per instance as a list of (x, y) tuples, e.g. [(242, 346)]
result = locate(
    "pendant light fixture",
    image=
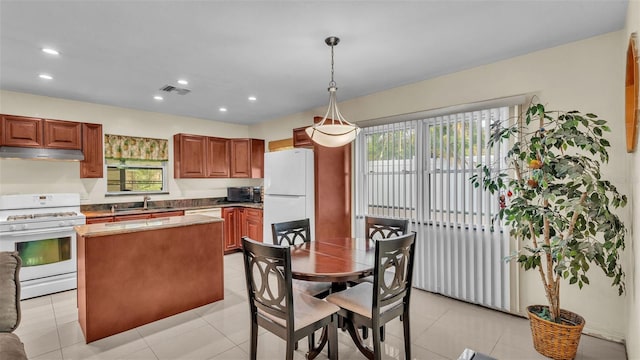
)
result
[(334, 130)]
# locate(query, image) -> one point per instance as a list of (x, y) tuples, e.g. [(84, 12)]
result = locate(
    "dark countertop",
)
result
[(157, 209)]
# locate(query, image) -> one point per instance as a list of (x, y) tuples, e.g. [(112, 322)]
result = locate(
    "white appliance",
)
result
[(288, 188), (40, 228)]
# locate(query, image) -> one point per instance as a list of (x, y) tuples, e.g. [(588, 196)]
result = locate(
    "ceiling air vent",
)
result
[(171, 89)]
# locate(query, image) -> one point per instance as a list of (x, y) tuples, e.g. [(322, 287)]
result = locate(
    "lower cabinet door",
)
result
[(254, 228), (231, 234)]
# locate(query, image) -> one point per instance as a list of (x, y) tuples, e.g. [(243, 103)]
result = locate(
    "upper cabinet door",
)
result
[(257, 158), (189, 156), (218, 150), (60, 134), (93, 164), (247, 158), (21, 131), (301, 139), (240, 158)]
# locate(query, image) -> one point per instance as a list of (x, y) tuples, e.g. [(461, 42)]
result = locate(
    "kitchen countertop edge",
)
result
[(104, 229)]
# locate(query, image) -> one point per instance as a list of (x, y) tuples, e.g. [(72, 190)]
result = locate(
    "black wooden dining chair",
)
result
[(374, 304), (384, 228), (295, 232), (291, 232), (274, 305), (379, 228)]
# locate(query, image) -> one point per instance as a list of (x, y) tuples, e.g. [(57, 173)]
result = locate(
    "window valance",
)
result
[(138, 148)]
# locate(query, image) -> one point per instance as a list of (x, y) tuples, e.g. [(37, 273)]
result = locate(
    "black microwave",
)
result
[(240, 194)]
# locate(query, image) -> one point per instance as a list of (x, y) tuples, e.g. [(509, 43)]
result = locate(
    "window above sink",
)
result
[(130, 177), (135, 165)]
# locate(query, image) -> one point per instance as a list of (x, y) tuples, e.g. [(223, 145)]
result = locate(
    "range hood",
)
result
[(13, 152)]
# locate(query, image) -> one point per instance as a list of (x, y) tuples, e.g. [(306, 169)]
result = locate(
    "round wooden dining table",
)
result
[(334, 260)]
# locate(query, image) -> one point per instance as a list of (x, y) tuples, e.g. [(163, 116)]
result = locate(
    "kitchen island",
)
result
[(132, 273)]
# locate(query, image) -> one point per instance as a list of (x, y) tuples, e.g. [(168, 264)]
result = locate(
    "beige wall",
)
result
[(33, 176), (632, 309), (585, 75)]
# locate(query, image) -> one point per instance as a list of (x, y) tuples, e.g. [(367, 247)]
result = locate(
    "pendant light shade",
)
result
[(334, 130)]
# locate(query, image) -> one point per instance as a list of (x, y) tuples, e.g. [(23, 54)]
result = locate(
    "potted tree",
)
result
[(554, 198)]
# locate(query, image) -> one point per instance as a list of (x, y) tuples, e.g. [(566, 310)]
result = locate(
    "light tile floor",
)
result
[(441, 329)]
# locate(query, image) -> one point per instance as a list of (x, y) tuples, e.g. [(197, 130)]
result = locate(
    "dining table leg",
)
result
[(357, 340), (315, 351)]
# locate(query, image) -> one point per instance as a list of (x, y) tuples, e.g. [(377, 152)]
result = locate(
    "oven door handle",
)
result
[(37, 232)]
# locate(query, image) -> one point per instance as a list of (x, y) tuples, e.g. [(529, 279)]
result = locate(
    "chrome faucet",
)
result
[(145, 200)]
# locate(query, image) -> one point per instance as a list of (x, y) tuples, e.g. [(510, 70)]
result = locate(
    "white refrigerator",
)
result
[(288, 188)]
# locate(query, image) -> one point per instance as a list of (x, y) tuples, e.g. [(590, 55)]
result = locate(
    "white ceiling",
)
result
[(121, 52)]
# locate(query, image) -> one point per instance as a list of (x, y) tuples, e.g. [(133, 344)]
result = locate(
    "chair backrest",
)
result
[(268, 273), (394, 254), (10, 264), (291, 231), (384, 228)]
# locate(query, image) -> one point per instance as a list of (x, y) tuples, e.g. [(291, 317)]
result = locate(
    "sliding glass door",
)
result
[(421, 169)]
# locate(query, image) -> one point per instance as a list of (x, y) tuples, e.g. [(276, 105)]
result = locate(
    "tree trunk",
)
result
[(553, 297)]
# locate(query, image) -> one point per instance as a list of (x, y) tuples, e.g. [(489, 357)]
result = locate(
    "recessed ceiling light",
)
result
[(223, 109), (46, 77), (158, 97), (252, 98), (50, 51), (183, 82)]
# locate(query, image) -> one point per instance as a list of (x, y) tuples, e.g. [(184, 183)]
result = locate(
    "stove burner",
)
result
[(41, 216)]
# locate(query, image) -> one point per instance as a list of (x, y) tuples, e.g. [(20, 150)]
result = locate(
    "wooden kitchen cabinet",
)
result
[(197, 156), (301, 139), (131, 217), (93, 164), (59, 134), (239, 222), (189, 159), (251, 220), (247, 158), (218, 154), (231, 238), (21, 131), (126, 217), (99, 220), (167, 214)]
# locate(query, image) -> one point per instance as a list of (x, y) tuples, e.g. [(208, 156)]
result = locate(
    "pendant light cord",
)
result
[(332, 83)]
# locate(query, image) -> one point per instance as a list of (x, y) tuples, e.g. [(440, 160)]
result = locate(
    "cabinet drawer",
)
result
[(257, 213), (98, 220), (132, 217), (167, 214)]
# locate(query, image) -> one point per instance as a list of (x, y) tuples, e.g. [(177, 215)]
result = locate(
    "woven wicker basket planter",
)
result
[(553, 340)]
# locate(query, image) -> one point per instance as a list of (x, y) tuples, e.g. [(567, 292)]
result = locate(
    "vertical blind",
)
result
[(420, 170)]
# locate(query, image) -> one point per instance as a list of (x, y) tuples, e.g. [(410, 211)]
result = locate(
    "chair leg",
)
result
[(382, 333), (254, 340), (407, 335), (312, 340), (365, 332), (377, 353), (290, 346), (333, 338)]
